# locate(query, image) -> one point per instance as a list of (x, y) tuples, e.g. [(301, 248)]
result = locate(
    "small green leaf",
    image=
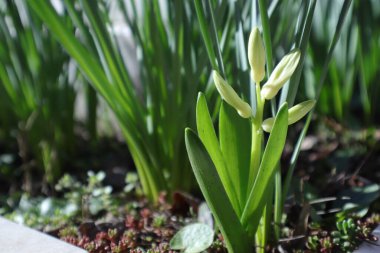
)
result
[(205, 215), (193, 238)]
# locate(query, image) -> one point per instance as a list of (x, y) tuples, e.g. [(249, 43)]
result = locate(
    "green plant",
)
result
[(240, 180), (233, 172), (316, 244), (172, 69), (348, 236), (36, 92)]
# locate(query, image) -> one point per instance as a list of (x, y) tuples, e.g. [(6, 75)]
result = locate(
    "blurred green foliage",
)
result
[(36, 94), (351, 88), (80, 201), (153, 109)]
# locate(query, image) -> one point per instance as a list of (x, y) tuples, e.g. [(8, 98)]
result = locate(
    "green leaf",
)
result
[(193, 238), (255, 205), (357, 199), (207, 134), (289, 91), (216, 197), (204, 215), (205, 33), (235, 143)]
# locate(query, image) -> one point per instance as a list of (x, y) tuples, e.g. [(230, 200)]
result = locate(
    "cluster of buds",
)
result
[(280, 75)]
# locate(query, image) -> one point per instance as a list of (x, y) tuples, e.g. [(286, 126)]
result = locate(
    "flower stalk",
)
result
[(257, 137)]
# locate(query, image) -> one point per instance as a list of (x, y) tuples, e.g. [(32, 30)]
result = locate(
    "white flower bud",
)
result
[(230, 96), (256, 55), (267, 124), (295, 113), (298, 111), (281, 74)]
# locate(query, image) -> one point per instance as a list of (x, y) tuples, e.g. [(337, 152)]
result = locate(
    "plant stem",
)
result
[(257, 139), (269, 55), (267, 41)]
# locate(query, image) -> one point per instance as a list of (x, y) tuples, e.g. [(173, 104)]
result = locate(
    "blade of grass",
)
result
[(215, 38), (289, 91), (206, 34)]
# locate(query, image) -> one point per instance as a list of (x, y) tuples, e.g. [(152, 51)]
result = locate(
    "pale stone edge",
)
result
[(15, 238)]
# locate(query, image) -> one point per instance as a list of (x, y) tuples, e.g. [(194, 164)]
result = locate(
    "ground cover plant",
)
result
[(52, 213), (267, 74)]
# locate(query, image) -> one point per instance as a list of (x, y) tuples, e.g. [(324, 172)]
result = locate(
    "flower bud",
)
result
[(281, 74), (267, 124), (298, 111), (256, 55), (295, 113), (229, 95)]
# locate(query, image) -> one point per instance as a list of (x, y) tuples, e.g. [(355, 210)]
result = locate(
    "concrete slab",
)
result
[(16, 238), (373, 247)]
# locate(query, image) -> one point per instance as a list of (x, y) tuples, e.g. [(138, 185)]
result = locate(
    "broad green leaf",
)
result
[(235, 143), (357, 199), (193, 238), (207, 134), (216, 197), (255, 204)]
